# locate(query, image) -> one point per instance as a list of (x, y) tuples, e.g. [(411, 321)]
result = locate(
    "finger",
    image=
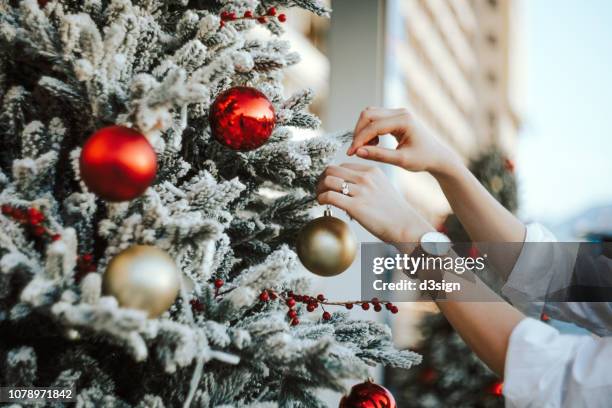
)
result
[(382, 154), (393, 124), (337, 200), (373, 142), (360, 167), (332, 183), (370, 114), (344, 173)]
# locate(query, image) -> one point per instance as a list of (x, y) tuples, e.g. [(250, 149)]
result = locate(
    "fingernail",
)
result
[(348, 152), (362, 152)]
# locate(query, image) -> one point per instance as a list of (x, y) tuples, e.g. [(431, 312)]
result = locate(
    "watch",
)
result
[(435, 243)]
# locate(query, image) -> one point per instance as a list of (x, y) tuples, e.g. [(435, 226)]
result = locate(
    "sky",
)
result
[(564, 160)]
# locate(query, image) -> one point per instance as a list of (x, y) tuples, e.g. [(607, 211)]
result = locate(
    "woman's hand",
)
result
[(418, 148), (372, 201)]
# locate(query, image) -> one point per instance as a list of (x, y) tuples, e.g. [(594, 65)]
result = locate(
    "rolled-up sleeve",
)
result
[(529, 281), (545, 368), (546, 268)]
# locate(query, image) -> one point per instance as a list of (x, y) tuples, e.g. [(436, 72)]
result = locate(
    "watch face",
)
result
[(436, 243)]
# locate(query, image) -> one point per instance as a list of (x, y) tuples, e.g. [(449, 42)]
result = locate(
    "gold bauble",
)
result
[(326, 245), (142, 277)]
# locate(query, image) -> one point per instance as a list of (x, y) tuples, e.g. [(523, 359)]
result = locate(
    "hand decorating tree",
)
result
[(143, 259)]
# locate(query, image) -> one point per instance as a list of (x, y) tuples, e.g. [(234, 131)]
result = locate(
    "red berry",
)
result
[(290, 294), (349, 306), (222, 24), (261, 19), (248, 14), (394, 310), (56, 237), (377, 307), (295, 322), (34, 216), (290, 302), (273, 295), (388, 306), (224, 15), (282, 18), (87, 257), (264, 296), (196, 305), (18, 214), (375, 300), (292, 314), (218, 283), (365, 306), (231, 16), (7, 209), (326, 316), (272, 11), (320, 297), (311, 307), (39, 231)]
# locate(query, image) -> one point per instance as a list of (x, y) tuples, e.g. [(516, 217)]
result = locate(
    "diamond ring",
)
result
[(345, 188)]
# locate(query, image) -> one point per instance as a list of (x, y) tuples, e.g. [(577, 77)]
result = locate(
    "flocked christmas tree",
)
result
[(115, 193), (451, 375)]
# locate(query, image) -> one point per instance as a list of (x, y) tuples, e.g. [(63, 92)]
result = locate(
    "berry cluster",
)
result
[(227, 16), (312, 303), (32, 218), (292, 299), (196, 304)]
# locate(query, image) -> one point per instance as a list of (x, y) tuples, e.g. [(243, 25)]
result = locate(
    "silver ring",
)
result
[(345, 188)]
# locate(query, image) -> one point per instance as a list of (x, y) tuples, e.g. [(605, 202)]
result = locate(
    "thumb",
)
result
[(380, 154)]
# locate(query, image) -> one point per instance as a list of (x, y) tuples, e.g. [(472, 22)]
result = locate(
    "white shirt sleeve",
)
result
[(544, 268), (547, 369), (530, 279)]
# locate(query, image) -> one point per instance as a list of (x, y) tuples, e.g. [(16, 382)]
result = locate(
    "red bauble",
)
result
[(368, 395), (242, 118), (118, 163)]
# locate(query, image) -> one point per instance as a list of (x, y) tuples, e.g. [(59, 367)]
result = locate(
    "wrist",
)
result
[(412, 234), (449, 169)]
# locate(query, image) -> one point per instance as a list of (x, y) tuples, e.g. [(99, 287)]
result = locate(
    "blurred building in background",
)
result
[(454, 60)]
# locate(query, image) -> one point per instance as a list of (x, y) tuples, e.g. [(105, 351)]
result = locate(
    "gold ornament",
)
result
[(326, 245), (142, 277)]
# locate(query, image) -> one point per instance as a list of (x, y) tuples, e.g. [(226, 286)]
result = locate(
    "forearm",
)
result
[(482, 318), (485, 327), (484, 219)]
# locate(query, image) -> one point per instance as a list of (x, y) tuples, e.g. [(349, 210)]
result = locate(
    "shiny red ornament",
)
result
[(242, 118), (118, 163), (368, 395)]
